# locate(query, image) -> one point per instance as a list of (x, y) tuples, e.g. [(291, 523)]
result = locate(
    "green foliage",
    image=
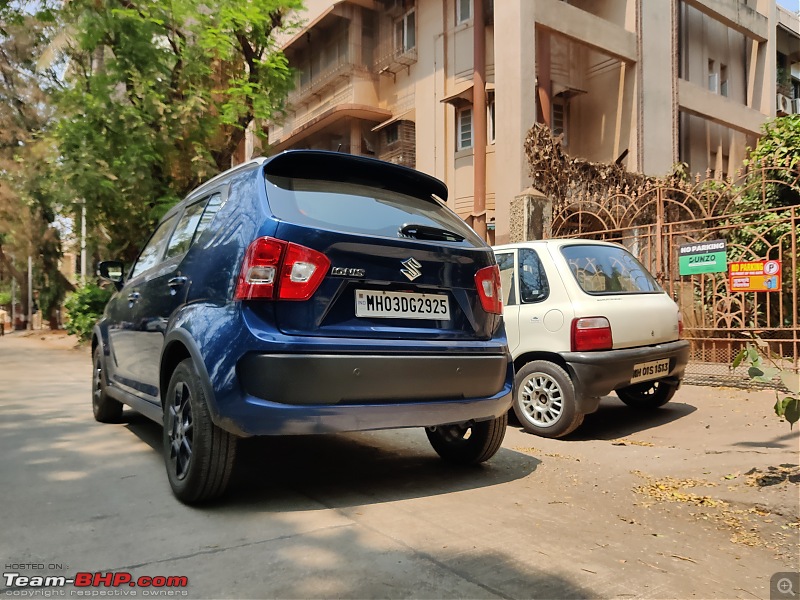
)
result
[(5, 298), (158, 100), (764, 367), (85, 305)]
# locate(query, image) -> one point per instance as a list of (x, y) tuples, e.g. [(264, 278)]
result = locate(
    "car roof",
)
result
[(555, 243)]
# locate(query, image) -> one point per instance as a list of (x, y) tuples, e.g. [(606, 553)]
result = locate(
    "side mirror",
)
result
[(113, 271)]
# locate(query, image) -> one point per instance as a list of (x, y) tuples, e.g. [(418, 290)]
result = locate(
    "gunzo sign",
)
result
[(703, 257)]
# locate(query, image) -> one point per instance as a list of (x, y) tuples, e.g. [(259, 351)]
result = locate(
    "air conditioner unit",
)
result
[(796, 106), (783, 105)]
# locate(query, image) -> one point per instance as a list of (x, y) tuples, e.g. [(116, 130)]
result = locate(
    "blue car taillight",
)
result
[(275, 269)]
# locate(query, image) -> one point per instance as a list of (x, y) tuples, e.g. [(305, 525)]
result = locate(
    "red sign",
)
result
[(755, 276)]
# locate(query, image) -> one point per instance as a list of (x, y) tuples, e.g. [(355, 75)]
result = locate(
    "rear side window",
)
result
[(195, 219), (361, 209), (604, 270)]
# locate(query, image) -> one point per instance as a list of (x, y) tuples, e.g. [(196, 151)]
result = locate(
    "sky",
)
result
[(790, 4)]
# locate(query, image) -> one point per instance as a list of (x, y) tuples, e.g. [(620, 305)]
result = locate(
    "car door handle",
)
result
[(176, 282), (134, 297)]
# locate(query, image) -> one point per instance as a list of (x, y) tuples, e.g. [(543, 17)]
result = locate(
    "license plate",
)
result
[(650, 370), (402, 305)]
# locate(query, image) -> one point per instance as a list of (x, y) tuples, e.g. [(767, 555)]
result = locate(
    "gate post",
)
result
[(531, 217), (659, 233)]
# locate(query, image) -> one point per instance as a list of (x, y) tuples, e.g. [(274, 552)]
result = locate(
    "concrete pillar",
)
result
[(658, 47), (531, 217), (515, 103), (479, 120)]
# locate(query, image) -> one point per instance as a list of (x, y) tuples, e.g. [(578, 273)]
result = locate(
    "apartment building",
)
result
[(451, 87)]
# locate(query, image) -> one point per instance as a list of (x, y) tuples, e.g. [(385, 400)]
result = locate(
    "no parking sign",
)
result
[(755, 276)]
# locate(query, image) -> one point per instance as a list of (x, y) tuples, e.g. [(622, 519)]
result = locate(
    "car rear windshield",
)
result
[(604, 270), (364, 209)]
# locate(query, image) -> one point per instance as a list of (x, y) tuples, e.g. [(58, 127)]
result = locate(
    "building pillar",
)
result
[(515, 103), (658, 126), (479, 119)]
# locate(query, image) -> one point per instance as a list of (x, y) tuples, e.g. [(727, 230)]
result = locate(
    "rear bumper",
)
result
[(313, 379), (310, 394), (599, 373)]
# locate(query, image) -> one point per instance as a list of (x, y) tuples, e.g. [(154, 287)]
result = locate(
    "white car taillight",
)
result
[(274, 269), (591, 333)]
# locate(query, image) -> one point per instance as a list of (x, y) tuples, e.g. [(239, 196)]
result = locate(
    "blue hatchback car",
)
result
[(311, 292)]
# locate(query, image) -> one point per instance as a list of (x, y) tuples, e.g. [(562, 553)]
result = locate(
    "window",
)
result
[(195, 219), (464, 129), (713, 77), (405, 32), (463, 11), (603, 270), (558, 121), (360, 208), (151, 255), (723, 80), (490, 120), (393, 133), (505, 261), (533, 286)]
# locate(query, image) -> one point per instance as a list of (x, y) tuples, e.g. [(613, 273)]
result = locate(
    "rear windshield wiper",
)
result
[(426, 232)]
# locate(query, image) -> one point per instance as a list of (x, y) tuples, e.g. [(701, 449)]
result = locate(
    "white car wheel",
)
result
[(544, 400)]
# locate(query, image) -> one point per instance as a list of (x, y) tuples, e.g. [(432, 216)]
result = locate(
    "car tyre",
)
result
[(199, 456), (544, 400), (105, 408), (468, 445), (647, 395)]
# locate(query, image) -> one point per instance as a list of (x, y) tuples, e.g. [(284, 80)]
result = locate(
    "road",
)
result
[(629, 506)]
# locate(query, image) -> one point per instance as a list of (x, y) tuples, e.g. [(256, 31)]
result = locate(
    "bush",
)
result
[(84, 306)]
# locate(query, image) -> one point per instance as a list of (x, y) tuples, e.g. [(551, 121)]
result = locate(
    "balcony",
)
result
[(343, 67)]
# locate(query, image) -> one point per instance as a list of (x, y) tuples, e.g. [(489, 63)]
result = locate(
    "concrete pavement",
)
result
[(377, 515)]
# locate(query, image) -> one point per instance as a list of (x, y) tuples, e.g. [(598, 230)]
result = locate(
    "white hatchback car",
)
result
[(584, 318)]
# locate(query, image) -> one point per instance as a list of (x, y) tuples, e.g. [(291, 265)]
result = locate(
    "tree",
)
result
[(26, 203), (158, 98)]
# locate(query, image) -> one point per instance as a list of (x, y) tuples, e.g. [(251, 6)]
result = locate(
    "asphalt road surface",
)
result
[(630, 506)]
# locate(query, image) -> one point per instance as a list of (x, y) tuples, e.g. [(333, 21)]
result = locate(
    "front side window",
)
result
[(533, 286), (505, 261), (152, 253), (464, 129), (605, 270), (463, 10)]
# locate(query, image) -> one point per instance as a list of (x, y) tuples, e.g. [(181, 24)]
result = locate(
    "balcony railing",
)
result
[(343, 66)]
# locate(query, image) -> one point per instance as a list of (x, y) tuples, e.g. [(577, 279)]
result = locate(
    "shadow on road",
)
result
[(614, 419), (346, 469)]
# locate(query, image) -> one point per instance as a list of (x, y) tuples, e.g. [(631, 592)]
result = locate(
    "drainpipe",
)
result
[(479, 119)]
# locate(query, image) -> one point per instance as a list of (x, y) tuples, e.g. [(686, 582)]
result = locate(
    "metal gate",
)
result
[(655, 220)]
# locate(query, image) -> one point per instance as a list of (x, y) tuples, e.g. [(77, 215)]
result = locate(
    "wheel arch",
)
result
[(178, 346), (553, 357), (585, 404)]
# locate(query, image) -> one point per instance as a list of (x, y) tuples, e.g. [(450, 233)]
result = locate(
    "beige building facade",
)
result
[(642, 82)]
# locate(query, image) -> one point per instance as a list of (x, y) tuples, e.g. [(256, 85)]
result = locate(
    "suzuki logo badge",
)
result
[(412, 268)]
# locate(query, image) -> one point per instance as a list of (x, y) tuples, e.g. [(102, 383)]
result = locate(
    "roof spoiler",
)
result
[(337, 166)]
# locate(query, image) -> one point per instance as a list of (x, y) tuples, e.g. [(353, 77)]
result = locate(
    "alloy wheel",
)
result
[(180, 427), (542, 400)]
